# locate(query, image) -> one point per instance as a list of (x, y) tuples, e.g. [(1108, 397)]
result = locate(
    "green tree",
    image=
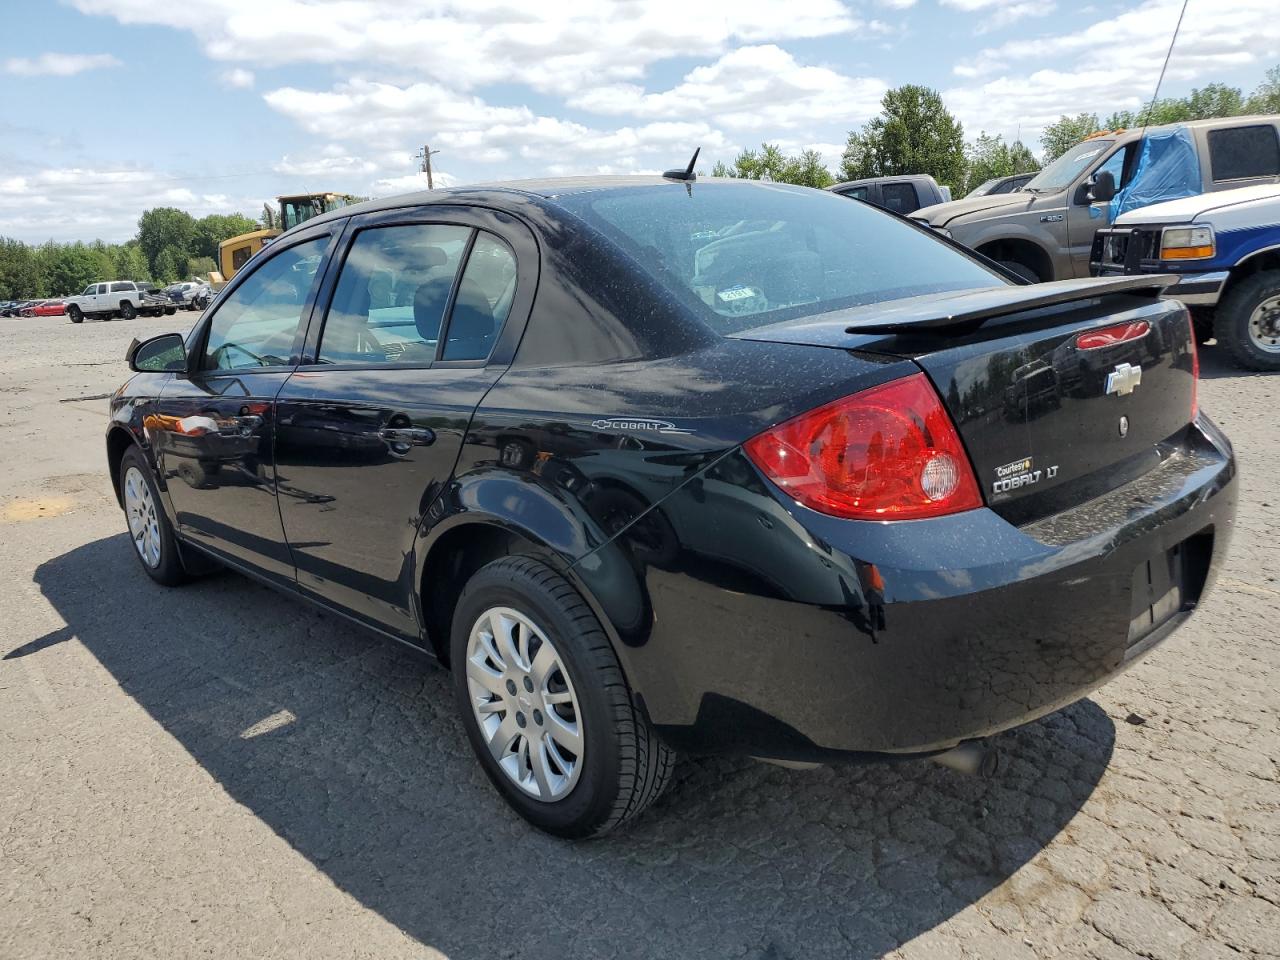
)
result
[(170, 265), (71, 268), (1266, 99), (990, 157), (164, 228), (914, 133), (200, 267), (19, 271), (130, 263), (213, 229), (807, 170), (1066, 132)]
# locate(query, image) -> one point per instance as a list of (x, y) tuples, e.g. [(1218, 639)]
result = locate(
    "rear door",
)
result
[(425, 314), (212, 429)]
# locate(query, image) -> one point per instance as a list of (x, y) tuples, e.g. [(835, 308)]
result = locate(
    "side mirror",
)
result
[(166, 353), (1103, 188)]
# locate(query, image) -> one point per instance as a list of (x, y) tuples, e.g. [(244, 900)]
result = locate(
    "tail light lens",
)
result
[(888, 453), (1195, 370)]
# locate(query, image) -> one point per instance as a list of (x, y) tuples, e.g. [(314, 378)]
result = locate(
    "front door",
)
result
[(212, 429), (1084, 218), (369, 430)]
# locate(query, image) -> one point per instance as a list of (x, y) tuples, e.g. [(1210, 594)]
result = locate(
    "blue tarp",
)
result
[(1168, 169)]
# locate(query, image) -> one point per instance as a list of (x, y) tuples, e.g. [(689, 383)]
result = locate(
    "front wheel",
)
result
[(545, 704), (154, 543), (1021, 269), (74, 314), (1247, 321)]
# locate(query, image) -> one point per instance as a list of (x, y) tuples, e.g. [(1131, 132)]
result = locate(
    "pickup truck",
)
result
[(905, 194), (1045, 230), (1224, 248), (118, 299)]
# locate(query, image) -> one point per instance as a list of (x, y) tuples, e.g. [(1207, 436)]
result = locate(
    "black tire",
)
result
[(127, 311), (1021, 269), (1202, 323), (624, 765), (168, 570), (1231, 321), (170, 311), (74, 314)]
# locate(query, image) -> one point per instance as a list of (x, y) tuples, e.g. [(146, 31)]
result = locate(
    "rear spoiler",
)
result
[(973, 308)]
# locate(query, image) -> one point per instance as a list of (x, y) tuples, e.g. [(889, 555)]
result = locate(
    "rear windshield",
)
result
[(747, 255)]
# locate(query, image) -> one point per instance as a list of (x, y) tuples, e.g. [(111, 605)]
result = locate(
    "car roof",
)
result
[(913, 177)]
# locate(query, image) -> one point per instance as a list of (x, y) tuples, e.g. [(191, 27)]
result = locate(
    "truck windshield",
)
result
[(745, 255), (1062, 172)]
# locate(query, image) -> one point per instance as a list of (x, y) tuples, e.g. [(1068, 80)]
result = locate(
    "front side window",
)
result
[(255, 326), (1240, 153), (745, 255), (90, 290), (392, 293), (857, 193)]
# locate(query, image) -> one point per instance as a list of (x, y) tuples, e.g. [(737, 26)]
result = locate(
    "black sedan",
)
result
[(657, 465)]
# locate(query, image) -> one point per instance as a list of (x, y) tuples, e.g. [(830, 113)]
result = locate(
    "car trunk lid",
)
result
[(1061, 392)]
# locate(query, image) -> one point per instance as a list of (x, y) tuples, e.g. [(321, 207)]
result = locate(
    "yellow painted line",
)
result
[(1230, 583)]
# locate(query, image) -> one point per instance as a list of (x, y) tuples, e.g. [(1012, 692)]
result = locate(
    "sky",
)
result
[(108, 107)]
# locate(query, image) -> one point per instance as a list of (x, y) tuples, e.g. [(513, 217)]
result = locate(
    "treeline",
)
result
[(170, 245), (916, 133)]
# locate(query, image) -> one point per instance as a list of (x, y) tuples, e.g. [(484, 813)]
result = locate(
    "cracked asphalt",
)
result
[(219, 771)]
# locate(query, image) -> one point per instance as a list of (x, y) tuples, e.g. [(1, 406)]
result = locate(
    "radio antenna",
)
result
[(1146, 115)]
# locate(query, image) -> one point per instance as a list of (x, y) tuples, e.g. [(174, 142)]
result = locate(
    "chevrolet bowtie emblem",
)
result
[(1123, 379)]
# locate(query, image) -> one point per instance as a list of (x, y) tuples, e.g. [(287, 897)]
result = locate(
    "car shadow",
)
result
[(347, 747), (1216, 364)]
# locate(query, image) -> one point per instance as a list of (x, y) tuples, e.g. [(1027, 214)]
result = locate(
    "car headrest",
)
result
[(428, 306), (472, 317)]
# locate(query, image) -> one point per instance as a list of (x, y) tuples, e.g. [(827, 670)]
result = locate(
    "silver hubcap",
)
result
[(1264, 325), (524, 703), (144, 525)]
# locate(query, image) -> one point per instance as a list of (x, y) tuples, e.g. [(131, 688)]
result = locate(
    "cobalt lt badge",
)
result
[(1123, 379), (1124, 426)]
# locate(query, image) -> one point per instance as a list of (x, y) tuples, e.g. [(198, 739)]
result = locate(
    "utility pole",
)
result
[(425, 157)]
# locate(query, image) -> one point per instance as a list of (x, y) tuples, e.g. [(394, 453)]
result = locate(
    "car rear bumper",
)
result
[(782, 633)]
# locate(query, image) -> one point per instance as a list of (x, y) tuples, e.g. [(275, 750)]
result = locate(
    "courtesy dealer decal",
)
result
[(1020, 473)]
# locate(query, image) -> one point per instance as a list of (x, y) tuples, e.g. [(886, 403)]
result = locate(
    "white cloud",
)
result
[(237, 78), (324, 166), (751, 88), (1109, 65), (59, 64), (557, 47), (896, 4)]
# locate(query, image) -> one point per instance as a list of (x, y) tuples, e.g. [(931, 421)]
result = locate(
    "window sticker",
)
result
[(736, 292)]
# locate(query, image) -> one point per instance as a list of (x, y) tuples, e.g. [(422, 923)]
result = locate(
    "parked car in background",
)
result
[(996, 185), (154, 301), (655, 465), (114, 299), (903, 195), (1045, 230), (1224, 248), (186, 293), (49, 308)]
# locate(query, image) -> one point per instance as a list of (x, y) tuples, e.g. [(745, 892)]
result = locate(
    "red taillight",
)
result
[(888, 453), (1195, 370), (1110, 336)]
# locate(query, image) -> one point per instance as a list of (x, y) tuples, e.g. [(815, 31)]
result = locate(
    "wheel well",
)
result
[(453, 560), (1269, 260), (118, 441), (1025, 252)]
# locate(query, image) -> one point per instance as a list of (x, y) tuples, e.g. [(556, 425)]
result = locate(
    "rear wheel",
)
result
[(149, 529), (74, 314), (127, 311), (545, 704), (1247, 321)]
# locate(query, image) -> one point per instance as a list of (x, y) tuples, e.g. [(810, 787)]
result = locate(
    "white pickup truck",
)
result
[(121, 299), (1224, 247)]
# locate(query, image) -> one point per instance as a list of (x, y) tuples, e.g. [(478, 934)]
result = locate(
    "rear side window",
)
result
[(1242, 152), (121, 287), (484, 300), (392, 293), (899, 197), (743, 255)]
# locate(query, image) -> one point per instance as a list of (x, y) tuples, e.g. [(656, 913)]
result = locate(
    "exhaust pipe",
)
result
[(972, 757)]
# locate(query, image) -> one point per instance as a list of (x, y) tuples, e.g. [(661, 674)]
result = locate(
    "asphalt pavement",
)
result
[(220, 771)]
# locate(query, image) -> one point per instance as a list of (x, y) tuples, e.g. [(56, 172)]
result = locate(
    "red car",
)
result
[(49, 308)]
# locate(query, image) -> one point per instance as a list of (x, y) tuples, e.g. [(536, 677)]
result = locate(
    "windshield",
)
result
[(747, 255), (1063, 172)]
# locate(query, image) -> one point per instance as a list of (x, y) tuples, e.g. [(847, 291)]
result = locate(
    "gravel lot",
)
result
[(220, 771)]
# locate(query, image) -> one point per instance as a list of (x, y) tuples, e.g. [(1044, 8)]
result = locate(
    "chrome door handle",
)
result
[(418, 436)]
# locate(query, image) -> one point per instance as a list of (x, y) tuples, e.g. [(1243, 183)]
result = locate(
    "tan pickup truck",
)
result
[(1045, 230)]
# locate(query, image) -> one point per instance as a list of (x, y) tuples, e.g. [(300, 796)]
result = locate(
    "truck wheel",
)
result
[(1202, 323), (170, 311), (545, 705), (74, 314), (127, 311), (1247, 322), (1021, 269)]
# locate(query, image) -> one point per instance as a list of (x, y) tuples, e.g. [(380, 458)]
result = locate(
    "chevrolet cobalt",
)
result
[(658, 465)]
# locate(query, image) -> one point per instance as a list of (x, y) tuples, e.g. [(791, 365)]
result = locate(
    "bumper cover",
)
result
[(779, 632)]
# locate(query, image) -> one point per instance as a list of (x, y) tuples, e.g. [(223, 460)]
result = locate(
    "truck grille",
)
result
[(1124, 248)]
